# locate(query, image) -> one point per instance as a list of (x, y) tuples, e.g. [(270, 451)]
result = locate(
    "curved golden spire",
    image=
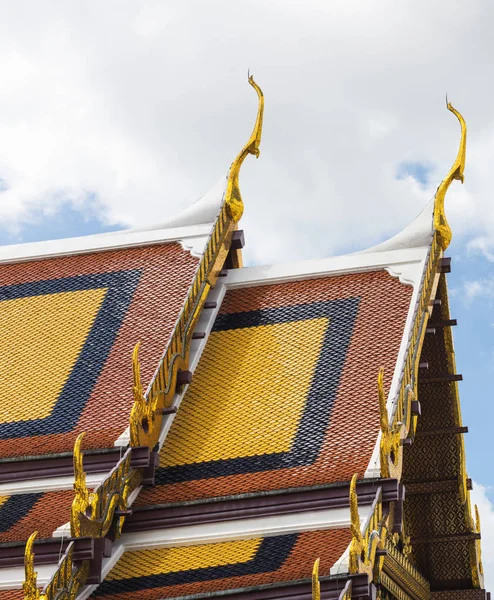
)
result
[(82, 497), (383, 410), (79, 473), (456, 172), (136, 375), (30, 585), (354, 516), (316, 586), (233, 198)]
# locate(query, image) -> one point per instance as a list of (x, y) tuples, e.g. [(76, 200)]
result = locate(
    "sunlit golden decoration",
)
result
[(402, 418), (83, 502), (316, 586), (66, 582), (363, 547), (233, 198), (142, 415), (147, 417), (356, 547), (400, 577), (92, 512), (477, 542), (30, 585), (390, 436), (456, 172)]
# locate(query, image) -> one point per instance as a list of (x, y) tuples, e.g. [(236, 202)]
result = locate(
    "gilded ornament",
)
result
[(92, 513), (233, 198), (65, 583), (363, 547), (316, 586), (403, 574), (142, 416), (477, 542), (456, 172), (147, 411), (390, 436), (30, 585), (83, 502)]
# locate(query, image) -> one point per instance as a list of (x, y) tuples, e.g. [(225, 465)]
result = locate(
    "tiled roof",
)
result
[(11, 595), (71, 325), (184, 570), (285, 392), (22, 514)]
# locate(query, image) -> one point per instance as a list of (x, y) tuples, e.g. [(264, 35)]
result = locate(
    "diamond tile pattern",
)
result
[(71, 324), (318, 396)]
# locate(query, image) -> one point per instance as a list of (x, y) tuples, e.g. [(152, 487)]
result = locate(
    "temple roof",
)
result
[(238, 422)]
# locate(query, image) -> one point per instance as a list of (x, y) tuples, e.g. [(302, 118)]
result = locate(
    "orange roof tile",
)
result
[(22, 514)]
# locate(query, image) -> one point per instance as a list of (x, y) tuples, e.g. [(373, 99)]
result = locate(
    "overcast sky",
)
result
[(118, 114)]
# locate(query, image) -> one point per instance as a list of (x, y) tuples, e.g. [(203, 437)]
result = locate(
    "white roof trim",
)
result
[(204, 210), (101, 242), (374, 466), (399, 263), (191, 228), (51, 484)]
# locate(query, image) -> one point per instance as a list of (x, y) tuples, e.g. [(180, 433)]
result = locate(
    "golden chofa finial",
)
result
[(30, 585), (456, 172), (316, 586), (233, 198), (82, 498), (357, 543), (390, 438)]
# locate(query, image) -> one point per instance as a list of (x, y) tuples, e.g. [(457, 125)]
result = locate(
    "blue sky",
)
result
[(66, 221), (474, 353)]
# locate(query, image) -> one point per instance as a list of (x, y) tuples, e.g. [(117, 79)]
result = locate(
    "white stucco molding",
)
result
[(404, 263), (415, 273)]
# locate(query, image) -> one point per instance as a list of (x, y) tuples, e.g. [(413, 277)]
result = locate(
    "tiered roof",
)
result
[(231, 416)]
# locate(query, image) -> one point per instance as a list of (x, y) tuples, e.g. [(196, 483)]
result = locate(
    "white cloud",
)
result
[(473, 289), (486, 510), (481, 245), (379, 128)]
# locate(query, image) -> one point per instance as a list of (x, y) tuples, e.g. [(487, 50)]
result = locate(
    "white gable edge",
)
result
[(374, 466), (404, 263), (192, 238)]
